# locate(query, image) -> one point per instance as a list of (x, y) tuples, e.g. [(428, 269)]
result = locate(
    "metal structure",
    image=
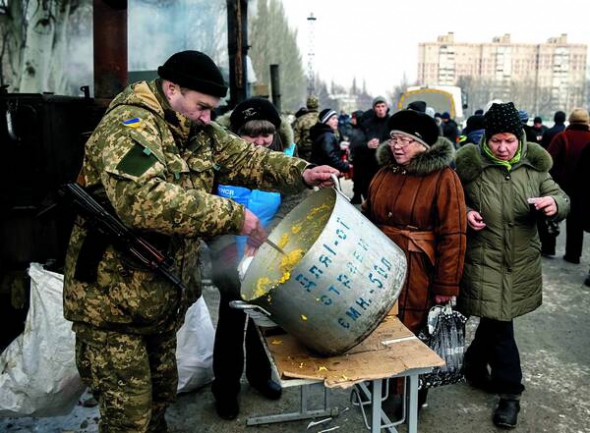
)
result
[(311, 53), (237, 44)]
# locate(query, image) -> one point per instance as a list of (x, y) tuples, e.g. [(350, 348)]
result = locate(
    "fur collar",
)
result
[(437, 157), (471, 162)]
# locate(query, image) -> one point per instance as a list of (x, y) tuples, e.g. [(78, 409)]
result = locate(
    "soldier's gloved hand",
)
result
[(320, 176), (251, 223)]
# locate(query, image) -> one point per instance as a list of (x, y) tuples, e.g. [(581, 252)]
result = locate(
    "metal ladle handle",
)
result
[(337, 186)]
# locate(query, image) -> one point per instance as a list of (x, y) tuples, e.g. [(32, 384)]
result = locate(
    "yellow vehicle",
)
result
[(440, 98)]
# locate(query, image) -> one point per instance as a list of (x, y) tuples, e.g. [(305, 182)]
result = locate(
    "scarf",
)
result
[(508, 164)]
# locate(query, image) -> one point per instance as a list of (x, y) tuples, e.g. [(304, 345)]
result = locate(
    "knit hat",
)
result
[(312, 102), (579, 116), (379, 100), (417, 106), (474, 123), (254, 109), (326, 114), (537, 120), (195, 71), (559, 117), (445, 115), (524, 116), (502, 118), (420, 126)]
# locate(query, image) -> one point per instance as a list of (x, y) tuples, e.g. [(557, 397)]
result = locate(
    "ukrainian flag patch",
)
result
[(132, 123)]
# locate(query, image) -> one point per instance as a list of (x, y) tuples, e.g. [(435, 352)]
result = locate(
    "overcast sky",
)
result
[(377, 40)]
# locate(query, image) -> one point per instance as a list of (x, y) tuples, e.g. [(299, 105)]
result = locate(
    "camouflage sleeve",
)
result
[(146, 197), (240, 163), (297, 132)]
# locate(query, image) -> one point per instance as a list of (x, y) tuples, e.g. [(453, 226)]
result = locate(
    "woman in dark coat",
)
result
[(416, 199), (325, 149), (503, 177)]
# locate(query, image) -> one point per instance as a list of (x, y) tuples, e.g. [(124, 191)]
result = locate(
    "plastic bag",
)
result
[(194, 348), (445, 334), (39, 375)]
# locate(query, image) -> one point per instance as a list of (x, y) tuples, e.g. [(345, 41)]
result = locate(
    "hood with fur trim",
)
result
[(470, 161), (437, 157)]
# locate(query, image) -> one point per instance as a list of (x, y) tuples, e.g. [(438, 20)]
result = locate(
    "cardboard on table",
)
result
[(390, 350)]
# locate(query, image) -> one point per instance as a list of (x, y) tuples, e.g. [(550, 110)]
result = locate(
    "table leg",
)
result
[(413, 404), (376, 406)]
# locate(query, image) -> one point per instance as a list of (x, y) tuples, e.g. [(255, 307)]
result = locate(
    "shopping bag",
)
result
[(444, 333)]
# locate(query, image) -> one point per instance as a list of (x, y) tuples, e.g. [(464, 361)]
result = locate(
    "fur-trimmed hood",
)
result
[(470, 161), (285, 130), (437, 157)]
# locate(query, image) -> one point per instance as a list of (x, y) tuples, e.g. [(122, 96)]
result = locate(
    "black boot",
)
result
[(506, 414), (587, 280), (226, 402), (268, 388)]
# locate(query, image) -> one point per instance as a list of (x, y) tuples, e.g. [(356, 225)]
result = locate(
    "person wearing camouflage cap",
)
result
[(153, 160), (302, 126)]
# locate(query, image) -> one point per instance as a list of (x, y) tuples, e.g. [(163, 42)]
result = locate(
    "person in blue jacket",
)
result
[(257, 121)]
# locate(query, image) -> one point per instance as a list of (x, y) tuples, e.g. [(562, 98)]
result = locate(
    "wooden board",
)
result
[(390, 350)]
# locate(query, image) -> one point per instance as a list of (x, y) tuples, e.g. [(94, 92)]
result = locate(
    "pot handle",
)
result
[(260, 316), (337, 186)]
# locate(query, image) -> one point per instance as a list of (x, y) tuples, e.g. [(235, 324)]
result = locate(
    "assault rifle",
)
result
[(110, 228)]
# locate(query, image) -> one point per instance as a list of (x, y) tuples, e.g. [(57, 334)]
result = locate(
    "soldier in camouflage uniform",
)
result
[(154, 158), (302, 126)]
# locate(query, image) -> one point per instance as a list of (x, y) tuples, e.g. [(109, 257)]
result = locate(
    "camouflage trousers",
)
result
[(134, 377)]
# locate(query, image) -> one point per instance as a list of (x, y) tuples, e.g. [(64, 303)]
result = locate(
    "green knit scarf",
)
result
[(508, 164)]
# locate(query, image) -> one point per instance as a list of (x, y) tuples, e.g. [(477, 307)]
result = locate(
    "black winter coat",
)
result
[(325, 149)]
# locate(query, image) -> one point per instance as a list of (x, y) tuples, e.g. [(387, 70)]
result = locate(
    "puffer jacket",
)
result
[(156, 169), (502, 274)]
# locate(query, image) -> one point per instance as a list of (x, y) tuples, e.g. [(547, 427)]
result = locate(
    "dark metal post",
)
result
[(110, 47), (275, 83), (237, 44)]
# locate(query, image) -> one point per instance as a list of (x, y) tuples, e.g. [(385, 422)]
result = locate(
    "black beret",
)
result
[(419, 125), (254, 109), (195, 71)]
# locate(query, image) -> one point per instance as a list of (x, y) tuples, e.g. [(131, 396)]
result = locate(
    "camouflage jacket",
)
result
[(301, 130), (157, 170)]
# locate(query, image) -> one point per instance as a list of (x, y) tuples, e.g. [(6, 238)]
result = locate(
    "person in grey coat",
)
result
[(507, 188)]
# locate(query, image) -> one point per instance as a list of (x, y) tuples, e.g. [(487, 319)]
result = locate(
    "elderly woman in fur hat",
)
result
[(257, 121), (416, 199), (507, 188)]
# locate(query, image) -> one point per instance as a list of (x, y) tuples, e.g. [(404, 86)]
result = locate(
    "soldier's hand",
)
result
[(320, 176), (251, 223)]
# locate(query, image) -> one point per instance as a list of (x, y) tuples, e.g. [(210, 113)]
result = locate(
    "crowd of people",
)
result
[(471, 209)]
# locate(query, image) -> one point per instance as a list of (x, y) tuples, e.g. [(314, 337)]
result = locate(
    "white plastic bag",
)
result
[(38, 369), (194, 348)]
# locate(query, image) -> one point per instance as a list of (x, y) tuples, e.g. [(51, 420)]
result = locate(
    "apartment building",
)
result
[(550, 75)]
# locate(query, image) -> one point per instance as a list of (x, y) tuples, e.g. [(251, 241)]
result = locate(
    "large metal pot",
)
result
[(337, 279)]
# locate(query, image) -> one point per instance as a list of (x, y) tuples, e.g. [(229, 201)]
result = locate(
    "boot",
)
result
[(268, 388), (587, 280), (227, 407), (226, 401), (506, 413)]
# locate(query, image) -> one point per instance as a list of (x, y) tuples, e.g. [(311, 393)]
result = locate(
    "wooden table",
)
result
[(390, 351)]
